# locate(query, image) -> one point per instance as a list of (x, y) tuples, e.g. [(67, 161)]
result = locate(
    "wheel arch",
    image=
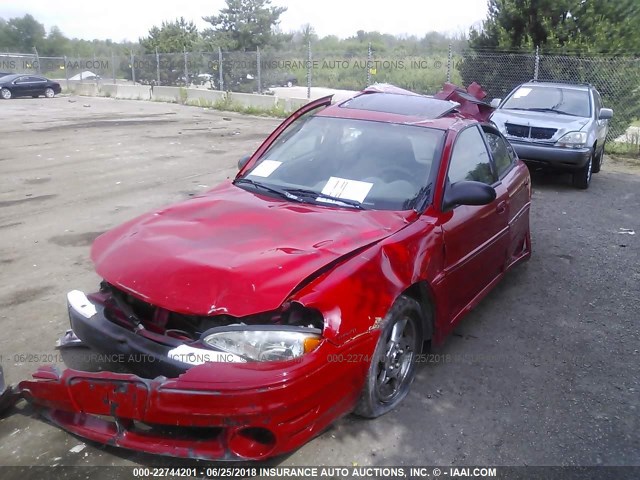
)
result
[(421, 292)]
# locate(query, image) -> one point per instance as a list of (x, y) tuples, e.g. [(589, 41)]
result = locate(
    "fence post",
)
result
[(157, 67), (220, 77), (37, 58), (449, 62), (186, 69), (537, 64), (66, 71), (133, 69), (309, 70), (113, 66), (259, 70), (369, 64)]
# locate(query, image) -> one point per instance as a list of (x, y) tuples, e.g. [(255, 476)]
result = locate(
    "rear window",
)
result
[(413, 105)]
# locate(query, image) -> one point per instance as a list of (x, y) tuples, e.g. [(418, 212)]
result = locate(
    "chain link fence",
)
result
[(498, 71)]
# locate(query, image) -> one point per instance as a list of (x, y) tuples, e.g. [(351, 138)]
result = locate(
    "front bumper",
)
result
[(552, 156), (213, 411), (143, 356)]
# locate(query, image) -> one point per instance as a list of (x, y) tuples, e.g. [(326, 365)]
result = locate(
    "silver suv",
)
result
[(556, 125)]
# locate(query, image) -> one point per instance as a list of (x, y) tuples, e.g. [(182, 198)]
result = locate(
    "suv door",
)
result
[(515, 177), (602, 125), (475, 237)]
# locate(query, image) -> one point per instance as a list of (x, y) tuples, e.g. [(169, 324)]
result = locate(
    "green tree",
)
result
[(585, 26), (245, 25), (22, 34), (56, 43), (171, 37)]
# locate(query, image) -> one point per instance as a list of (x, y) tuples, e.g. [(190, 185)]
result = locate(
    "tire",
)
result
[(5, 93), (582, 178), (599, 160), (393, 365), (49, 93), (289, 84)]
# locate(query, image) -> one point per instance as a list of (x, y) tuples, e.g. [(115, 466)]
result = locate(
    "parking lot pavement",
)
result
[(543, 372)]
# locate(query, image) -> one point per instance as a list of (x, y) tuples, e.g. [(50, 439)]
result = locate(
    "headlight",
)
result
[(573, 140), (265, 345)]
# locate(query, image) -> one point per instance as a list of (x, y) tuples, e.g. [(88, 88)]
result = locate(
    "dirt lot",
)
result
[(544, 372)]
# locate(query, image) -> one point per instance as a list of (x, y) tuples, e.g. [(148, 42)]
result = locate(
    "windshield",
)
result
[(569, 101), (348, 163)]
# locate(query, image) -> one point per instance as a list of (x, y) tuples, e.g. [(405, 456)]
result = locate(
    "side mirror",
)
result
[(605, 114), (243, 161), (495, 103), (468, 193)]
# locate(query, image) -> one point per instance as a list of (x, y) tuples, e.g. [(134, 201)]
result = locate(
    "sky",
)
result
[(131, 19)]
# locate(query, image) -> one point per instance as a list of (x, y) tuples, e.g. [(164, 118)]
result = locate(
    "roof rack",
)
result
[(586, 84)]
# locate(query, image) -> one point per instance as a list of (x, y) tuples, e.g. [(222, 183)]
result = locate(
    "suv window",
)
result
[(470, 158), (571, 101), (502, 152), (597, 102)]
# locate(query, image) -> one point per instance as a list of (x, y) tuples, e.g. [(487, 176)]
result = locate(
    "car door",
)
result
[(21, 86), (475, 237), (38, 85), (514, 176)]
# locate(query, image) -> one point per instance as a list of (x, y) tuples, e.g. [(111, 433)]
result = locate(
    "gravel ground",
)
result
[(543, 372)]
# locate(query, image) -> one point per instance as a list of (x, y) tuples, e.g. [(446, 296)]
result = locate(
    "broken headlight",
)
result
[(264, 344)]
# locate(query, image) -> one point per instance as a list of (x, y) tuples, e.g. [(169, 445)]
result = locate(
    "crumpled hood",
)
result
[(563, 123), (232, 251)]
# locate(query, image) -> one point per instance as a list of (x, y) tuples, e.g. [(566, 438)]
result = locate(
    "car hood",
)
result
[(233, 251), (563, 123)]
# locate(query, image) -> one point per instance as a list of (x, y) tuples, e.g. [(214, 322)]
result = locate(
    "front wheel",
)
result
[(599, 160), (5, 93), (49, 93), (393, 365), (582, 178)]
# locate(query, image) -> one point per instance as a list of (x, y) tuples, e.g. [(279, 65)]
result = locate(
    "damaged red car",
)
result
[(259, 312)]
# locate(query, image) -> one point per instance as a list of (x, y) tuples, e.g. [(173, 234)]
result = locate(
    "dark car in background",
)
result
[(555, 125), (18, 85)]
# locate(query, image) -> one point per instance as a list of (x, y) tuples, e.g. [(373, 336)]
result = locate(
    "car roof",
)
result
[(399, 106), (574, 86)]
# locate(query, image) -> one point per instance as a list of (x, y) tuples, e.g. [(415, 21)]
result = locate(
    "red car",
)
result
[(259, 312)]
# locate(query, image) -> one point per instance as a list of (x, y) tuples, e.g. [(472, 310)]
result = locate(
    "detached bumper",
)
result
[(552, 156)]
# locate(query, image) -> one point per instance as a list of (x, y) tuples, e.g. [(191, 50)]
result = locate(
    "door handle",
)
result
[(502, 207)]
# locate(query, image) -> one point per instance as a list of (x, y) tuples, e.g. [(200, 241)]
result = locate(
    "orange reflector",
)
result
[(311, 343)]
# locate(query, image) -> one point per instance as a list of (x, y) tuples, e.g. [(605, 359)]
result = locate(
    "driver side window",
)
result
[(470, 159)]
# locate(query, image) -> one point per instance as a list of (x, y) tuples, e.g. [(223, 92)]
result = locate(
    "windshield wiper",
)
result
[(277, 191), (552, 110), (422, 198), (319, 196)]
